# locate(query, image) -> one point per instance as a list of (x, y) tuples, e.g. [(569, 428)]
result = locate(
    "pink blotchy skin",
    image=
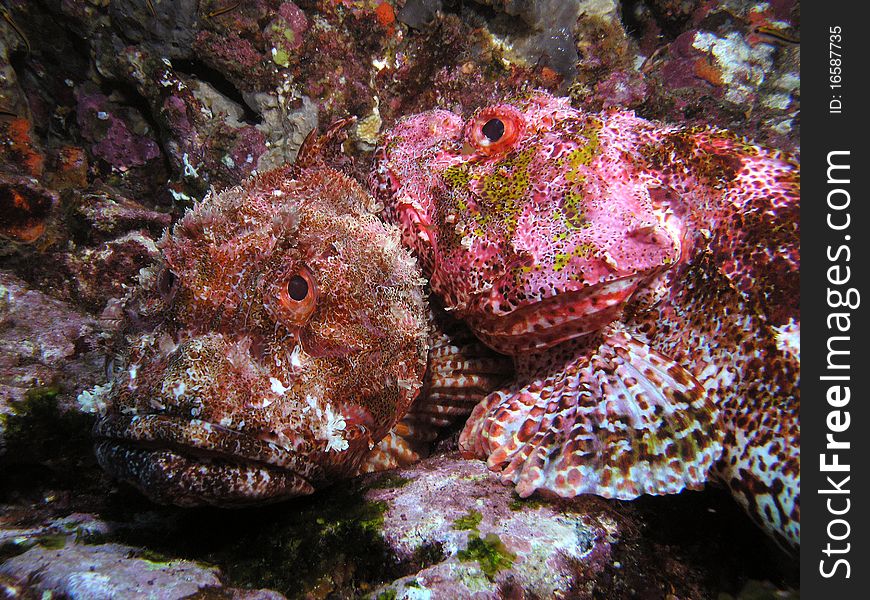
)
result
[(644, 277)]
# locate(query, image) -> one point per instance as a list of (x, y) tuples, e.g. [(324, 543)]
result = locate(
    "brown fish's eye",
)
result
[(297, 296), (493, 129), (297, 288), (496, 129)]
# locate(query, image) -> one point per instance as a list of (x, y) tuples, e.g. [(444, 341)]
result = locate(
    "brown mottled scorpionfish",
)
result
[(643, 276), (280, 345)]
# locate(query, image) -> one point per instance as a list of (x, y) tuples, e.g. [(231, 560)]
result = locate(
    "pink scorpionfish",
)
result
[(281, 343), (643, 276)]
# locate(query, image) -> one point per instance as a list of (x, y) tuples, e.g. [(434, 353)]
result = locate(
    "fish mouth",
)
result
[(195, 463), (554, 320)]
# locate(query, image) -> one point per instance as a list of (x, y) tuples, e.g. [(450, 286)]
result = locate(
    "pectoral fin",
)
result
[(460, 373), (610, 417)]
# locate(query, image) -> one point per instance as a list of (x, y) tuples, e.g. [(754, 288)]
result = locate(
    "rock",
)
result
[(25, 208), (101, 215), (721, 68), (284, 33), (12, 100), (44, 345), (20, 153), (471, 536), (108, 571), (286, 119), (68, 557), (237, 92), (70, 168), (110, 271), (113, 131), (169, 28), (419, 13)]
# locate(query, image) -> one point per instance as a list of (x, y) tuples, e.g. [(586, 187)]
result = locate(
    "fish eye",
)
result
[(296, 292), (495, 129), (297, 288)]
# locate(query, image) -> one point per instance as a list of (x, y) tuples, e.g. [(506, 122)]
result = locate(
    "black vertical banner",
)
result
[(835, 254)]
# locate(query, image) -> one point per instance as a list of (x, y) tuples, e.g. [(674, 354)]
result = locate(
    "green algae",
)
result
[(428, 554), (326, 545), (39, 402), (388, 594), (489, 552), (19, 545), (153, 557), (35, 415), (525, 503), (52, 542), (469, 521)]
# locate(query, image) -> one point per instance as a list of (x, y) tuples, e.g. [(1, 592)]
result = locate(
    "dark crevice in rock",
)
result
[(202, 72)]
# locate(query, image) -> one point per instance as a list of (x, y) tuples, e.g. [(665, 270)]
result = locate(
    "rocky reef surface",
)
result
[(116, 115)]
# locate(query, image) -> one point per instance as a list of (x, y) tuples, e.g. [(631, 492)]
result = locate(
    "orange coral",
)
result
[(386, 17), (72, 168), (24, 209), (20, 148), (707, 72)]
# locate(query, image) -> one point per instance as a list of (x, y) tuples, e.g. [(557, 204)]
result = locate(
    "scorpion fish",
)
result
[(281, 342), (643, 276)]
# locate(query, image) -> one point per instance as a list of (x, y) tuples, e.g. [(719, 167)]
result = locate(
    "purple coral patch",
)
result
[(111, 134)]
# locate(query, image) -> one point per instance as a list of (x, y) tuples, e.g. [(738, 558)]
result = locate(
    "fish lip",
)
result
[(192, 444), (516, 331)]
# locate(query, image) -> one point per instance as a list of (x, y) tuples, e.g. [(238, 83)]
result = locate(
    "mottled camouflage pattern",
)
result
[(281, 337), (644, 276)]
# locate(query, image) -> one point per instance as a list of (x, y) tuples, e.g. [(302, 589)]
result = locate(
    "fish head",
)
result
[(520, 218), (282, 334)]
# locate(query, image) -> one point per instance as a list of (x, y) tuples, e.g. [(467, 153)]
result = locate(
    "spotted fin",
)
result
[(757, 242), (393, 451), (613, 418), (460, 373), (317, 148)]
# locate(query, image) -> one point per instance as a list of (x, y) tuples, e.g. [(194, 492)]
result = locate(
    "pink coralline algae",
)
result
[(231, 54), (734, 63), (481, 549), (105, 570), (644, 277), (110, 134), (285, 32), (201, 149), (46, 345)]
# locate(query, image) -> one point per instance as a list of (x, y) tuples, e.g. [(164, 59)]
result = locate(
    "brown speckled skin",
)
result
[(234, 392)]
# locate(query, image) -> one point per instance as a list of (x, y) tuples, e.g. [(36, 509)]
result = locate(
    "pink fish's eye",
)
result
[(496, 129), (493, 129)]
